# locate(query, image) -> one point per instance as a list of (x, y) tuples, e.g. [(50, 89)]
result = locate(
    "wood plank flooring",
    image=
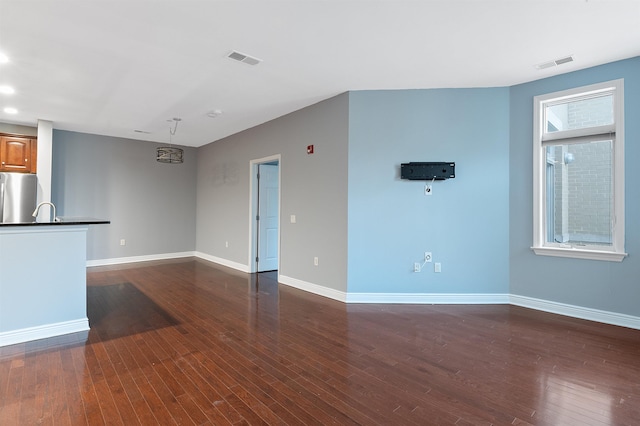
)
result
[(186, 342)]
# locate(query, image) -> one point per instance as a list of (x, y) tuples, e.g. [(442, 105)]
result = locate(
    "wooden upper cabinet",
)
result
[(18, 154)]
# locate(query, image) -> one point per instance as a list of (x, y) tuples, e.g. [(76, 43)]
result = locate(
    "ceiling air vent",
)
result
[(241, 57), (555, 62), (564, 60)]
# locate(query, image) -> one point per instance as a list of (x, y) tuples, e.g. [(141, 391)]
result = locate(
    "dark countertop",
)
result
[(62, 221)]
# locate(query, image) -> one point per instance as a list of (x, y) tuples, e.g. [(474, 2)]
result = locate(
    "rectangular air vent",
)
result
[(241, 57), (555, 62), (564, 60), (546, 65)]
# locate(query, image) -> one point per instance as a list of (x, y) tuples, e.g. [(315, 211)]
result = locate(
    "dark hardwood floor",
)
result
[(185, 342)]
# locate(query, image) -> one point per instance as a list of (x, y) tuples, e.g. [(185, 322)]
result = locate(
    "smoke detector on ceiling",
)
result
[(555, 62), (241, 57), (214, 113)]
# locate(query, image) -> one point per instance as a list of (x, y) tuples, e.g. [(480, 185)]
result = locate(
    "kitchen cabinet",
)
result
[(18, 154)]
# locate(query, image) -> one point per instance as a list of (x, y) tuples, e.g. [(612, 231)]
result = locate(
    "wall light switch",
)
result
[(293, 218)]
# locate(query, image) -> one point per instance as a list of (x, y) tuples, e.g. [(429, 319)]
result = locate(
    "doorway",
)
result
[(265, 215)]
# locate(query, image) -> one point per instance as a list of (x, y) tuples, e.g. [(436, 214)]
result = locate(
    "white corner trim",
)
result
[(313, 288), (590, 314), (224, 262), (135, 259), (430, 298), (42, 332)]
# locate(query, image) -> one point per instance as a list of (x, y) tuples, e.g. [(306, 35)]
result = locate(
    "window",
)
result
[(578, 173)]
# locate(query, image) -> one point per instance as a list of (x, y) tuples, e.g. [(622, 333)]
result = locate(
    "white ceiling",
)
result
[(111, 67)]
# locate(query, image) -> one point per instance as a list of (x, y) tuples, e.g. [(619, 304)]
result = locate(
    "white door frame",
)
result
[(253, 210)]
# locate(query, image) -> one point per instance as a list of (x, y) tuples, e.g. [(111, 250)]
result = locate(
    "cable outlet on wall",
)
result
[(427, 257), (123, 242), (428, 189)]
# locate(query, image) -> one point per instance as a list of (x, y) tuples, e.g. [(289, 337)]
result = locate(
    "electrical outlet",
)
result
[(416, 267), (427, 257), (437, 267), (428, 189), (226, 243), (123, 242), (315, 261)]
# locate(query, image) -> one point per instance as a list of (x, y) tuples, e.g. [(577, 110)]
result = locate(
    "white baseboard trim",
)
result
[(224, 262), (430, 298), (42, 332), (313, 288), (590, 314), (135, 259), (391, 298)]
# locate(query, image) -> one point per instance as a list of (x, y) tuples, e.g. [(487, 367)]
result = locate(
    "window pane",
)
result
[(580, 114), (580, 193)]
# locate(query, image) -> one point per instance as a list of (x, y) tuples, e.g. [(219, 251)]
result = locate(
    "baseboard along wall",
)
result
[(574, 311)]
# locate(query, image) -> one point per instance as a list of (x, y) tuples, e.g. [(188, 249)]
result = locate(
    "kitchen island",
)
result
[(43, 279)]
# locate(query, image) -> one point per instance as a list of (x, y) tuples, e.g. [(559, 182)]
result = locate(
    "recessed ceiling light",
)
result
[(10, 110), (3, 58), (7, 90)]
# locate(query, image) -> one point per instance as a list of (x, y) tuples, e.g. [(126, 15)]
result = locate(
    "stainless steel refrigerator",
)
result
[(18, 192)]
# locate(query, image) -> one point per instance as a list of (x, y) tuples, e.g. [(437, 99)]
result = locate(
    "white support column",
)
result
[(45, 149)]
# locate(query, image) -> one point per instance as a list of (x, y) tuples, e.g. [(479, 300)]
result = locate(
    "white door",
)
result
[(268, 217)]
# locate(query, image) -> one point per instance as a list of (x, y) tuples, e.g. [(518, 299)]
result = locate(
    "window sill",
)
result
[(576, 253)]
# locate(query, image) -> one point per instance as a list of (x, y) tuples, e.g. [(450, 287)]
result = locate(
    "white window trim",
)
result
[(540, 245)]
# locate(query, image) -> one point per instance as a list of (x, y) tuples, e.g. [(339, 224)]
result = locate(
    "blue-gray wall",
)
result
[(607, 286), (464, 223), (151, 205), (365, 224)]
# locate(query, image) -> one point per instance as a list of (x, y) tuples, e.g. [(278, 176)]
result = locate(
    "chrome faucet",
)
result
[(35, 212)]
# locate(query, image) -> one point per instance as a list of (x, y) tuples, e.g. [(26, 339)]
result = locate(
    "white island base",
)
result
[(42, 282)]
